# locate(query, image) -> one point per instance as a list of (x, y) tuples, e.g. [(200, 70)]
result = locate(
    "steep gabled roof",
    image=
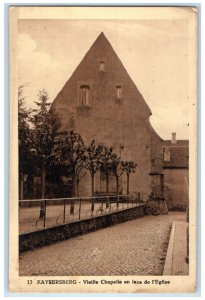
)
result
[(100, 48)]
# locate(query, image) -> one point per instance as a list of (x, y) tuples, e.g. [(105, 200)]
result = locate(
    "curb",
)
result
[(169, 257)]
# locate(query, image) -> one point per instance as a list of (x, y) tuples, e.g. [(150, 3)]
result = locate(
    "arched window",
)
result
[(84, 97)]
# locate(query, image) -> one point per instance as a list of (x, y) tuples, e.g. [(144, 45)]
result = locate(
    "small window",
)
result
[(84, 96), (119, 91), (102, 66)]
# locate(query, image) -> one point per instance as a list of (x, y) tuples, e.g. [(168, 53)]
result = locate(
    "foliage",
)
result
[(117, 169), (45, 126), (107, 158), (117, 166), (92, 157), (24, 134), (129, 167), (92, 160), (67, 155), (45, 151)]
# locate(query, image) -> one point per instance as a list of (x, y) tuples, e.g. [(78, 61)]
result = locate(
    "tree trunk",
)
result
[(107, 189), (77, 188), (72, 203), (43, 193), (92, 191), (117, 189), (128, 183), (92, 185), (117, 184), (107, 183), (21, 187)]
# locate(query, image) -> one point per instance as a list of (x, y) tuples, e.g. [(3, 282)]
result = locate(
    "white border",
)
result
[(202, 148)]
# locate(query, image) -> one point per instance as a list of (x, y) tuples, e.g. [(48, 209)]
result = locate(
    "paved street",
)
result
[(136, 247)]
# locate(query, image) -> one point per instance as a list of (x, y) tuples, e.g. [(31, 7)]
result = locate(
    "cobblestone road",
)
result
[(136, 247)]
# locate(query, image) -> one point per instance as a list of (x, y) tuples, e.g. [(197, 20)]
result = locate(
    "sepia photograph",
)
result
[(103, 117)]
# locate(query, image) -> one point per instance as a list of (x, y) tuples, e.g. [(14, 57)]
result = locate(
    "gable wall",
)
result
[(110, 121)]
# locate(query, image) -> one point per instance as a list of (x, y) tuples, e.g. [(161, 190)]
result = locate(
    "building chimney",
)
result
[(174, 138)]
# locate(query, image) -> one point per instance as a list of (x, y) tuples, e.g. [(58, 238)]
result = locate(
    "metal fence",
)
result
[(43, 213)]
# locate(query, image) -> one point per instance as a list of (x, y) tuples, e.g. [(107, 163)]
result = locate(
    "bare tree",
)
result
[(92, 162), (117, 169), (106, 160), (68, 153), (129, 167)]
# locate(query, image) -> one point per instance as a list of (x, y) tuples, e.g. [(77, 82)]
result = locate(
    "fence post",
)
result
[(64, 211), (92, 206), (44, 220), (102, 206), (72, 204), (79, 208), (109, 202)]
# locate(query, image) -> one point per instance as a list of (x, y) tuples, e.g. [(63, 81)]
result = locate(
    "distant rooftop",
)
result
[(176, 156), (176, 153)]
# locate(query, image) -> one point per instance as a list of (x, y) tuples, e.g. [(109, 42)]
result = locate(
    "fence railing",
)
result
[(43, 213)]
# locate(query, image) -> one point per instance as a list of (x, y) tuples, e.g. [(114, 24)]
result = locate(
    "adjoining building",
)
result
[(101, 102), (176, 173)]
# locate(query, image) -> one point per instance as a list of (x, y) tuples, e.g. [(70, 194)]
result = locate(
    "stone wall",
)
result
[(47, 236)]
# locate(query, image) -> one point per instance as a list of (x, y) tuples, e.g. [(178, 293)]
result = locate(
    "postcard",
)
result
[(103, 149)]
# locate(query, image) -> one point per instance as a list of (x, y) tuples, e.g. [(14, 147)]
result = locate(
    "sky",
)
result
[(156, 54)]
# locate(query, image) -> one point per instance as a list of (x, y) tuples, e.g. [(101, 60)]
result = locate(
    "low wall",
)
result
[(31, 240)]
